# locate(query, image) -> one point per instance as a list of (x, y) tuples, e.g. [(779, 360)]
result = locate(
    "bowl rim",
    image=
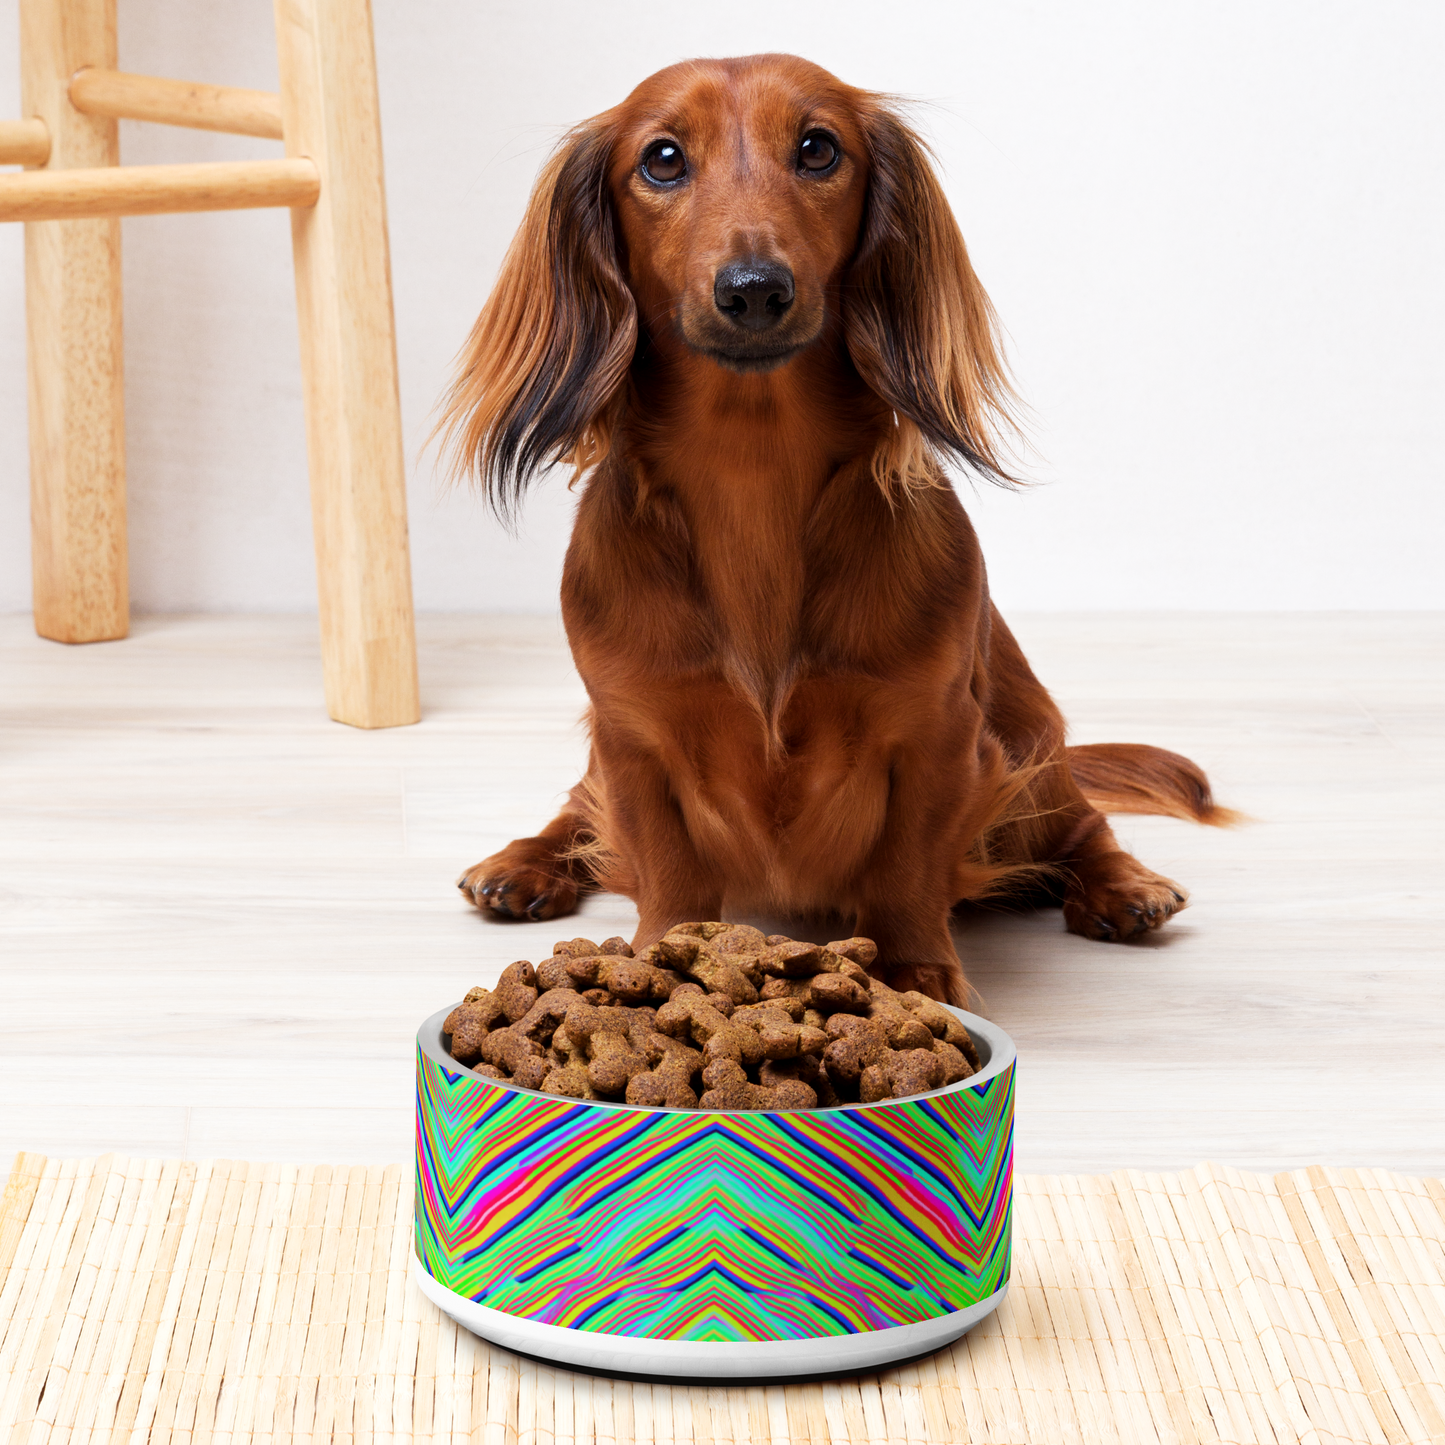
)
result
[(985, 1035)]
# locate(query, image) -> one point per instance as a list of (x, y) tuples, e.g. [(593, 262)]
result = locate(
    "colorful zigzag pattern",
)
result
[(713, 1227)]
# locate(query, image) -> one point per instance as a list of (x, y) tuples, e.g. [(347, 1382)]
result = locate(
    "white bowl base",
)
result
[(704, 1360)]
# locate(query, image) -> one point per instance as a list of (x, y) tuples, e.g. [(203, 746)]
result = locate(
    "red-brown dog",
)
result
[(740, 303)]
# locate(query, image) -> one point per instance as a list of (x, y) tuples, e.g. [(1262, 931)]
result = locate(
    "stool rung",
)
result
[(151, 190), (24, 143), (176, 102)]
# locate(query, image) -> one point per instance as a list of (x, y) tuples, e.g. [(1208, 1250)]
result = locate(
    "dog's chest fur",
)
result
[(775, 667)]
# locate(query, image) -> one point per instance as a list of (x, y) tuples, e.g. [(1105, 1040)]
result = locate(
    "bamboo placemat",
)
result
[(158, 1300)]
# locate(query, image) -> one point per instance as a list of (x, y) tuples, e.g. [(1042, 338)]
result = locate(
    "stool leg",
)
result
[(348, 362), (72, 307)]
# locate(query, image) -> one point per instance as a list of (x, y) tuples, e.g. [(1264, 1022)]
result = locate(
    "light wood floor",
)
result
[(222, 916)]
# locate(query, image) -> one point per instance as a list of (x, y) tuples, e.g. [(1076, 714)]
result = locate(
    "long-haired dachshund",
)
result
[(740, 306)]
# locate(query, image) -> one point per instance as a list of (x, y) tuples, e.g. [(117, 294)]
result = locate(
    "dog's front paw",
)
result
[(1115, 898), (517, 883)]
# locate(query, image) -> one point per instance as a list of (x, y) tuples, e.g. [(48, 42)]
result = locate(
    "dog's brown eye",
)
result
[(817, 152), (664, 162)]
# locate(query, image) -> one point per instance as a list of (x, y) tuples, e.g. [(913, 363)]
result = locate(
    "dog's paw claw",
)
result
[(524, 891), (1116, 899)]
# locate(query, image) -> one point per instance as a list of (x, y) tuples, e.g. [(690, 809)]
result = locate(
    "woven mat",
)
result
[(156, 1300)]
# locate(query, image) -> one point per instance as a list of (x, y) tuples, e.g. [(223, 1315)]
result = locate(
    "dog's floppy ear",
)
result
[(919, 326), (540, 375)]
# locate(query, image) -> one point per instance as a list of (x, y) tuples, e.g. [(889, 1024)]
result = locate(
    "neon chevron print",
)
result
[(713, 1227)]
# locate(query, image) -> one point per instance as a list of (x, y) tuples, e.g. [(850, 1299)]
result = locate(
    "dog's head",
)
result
[(732, 214), (739, 188)]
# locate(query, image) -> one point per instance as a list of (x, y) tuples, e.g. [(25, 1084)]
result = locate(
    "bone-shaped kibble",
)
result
[(604, 1032), (585, 1019), (565, 1048), (855, 1049), (774, 989), (613, 1064), (516, 989), (862, 951), (668, 1084), (671, 982), (859, 1054), (704, 931), (690, 1016), (552, 972), (955, 1066), (575, 948), (506, 1048), (806, 1069), (904, 1030), (631, 980), (840, 1025), (768, 1022), (570, 1081), (545, 1016), (790, 991), (798, 960), (581, 968), (695, 1018), (740, 940), (793, 1005), (530, 1073), (739, 945), (728, 1087), (899, 1075), (781, 1036), (832, 993), (941, 1023), (720, 1001), (691, 956), (469, 1023), (741, 1045), (655, 1046)]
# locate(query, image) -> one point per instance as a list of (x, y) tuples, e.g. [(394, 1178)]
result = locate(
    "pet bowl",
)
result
[(684, 1244)]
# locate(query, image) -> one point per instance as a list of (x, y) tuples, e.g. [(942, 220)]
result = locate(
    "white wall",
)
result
[(1212, 229)]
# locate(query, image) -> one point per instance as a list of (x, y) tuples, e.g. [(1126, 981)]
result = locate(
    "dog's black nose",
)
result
[(755, 294)]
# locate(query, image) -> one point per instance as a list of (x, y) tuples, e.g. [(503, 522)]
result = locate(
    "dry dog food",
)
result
[(714, 1016)]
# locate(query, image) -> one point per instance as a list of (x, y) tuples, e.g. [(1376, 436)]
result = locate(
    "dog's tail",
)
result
[(1135, 778)]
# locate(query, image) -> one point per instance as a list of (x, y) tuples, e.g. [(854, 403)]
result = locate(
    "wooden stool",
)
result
[(331, 179)]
